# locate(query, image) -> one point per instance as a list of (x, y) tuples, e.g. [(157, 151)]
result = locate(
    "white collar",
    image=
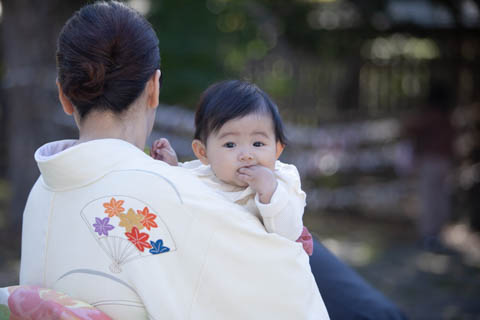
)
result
[(66, 165)]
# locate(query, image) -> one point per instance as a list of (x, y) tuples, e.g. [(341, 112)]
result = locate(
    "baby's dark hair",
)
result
[(232, 99)]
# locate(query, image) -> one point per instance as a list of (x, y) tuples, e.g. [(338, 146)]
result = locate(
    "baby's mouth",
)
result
[(238, 170)]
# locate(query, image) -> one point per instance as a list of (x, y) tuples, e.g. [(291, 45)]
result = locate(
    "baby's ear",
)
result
[(280, 148), (200, 151)]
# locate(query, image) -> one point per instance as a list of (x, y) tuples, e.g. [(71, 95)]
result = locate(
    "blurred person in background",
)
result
[(473, 156), (432, 135)]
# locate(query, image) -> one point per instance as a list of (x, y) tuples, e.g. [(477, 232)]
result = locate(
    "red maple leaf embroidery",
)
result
[(139, 239), (149, 218)]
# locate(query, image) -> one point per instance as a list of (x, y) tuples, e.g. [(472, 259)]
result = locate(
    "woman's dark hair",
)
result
[(232, 99), (106, 53)]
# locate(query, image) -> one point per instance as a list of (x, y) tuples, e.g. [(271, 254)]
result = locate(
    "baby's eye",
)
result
[(258, 144), (229, 145)]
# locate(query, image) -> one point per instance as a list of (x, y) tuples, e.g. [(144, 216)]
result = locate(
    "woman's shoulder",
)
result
[(185, 176), (198, 168)]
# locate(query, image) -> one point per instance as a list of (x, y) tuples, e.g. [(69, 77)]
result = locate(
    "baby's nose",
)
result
[(246, 156)]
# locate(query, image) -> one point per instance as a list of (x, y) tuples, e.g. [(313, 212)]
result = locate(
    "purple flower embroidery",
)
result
[(102, 226)]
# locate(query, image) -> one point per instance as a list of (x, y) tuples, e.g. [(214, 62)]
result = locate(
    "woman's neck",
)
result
[(107, 125)]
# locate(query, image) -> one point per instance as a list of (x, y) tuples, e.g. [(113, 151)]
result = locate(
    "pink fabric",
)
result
[(34, 303), (306, 240)]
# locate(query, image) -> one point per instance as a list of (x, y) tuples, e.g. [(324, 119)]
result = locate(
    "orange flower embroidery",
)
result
[(148, 220), (139, 239), (130, 220), (114, 207)]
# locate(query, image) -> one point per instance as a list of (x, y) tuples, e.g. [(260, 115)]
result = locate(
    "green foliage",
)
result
[(205, 41), (309, 55), (188, 40)]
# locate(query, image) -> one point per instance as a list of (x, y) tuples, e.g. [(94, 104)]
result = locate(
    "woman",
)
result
[(137, 238), (132, 236)]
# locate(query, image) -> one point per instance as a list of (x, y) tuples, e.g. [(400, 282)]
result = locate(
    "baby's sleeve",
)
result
[(283, 215)]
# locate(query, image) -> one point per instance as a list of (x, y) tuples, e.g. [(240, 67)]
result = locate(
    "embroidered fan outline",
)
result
[(126, 228)]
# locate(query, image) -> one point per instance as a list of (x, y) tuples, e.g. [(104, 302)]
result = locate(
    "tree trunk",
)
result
[(30, 29)]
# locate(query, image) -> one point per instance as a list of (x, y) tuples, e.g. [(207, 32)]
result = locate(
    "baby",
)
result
[(238, 139)]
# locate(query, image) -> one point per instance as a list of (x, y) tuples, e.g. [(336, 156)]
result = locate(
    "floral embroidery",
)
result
[(102, 226), (158, 247), (124, 221), (139, 239), (113, 207), (130, 220), (148, 220)]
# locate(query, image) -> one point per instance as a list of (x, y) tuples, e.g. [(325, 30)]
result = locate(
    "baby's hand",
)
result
[(261, 179), (162, 150)]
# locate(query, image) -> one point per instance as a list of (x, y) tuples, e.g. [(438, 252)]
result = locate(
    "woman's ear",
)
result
[(66, 103), (200, 151), (153, 87), (280, 148)]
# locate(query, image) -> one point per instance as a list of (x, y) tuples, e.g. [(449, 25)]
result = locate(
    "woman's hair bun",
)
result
[(92, 85), (106, 53)]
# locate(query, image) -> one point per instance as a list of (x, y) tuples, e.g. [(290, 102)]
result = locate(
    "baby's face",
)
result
[(239, 143)]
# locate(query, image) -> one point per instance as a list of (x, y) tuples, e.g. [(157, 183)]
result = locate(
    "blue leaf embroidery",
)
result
[(158, 247)]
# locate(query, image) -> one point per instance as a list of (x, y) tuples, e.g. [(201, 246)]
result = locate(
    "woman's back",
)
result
[(212, 259)]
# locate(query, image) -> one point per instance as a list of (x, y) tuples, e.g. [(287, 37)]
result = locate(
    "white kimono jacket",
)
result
[(139, 239)]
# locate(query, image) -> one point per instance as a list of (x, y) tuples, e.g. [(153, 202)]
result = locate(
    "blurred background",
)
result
[(382, 104)]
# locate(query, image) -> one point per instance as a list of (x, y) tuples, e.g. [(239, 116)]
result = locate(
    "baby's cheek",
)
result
[(221, 172)]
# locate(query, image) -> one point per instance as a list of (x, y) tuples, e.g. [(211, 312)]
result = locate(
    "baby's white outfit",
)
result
[(283, 215)]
